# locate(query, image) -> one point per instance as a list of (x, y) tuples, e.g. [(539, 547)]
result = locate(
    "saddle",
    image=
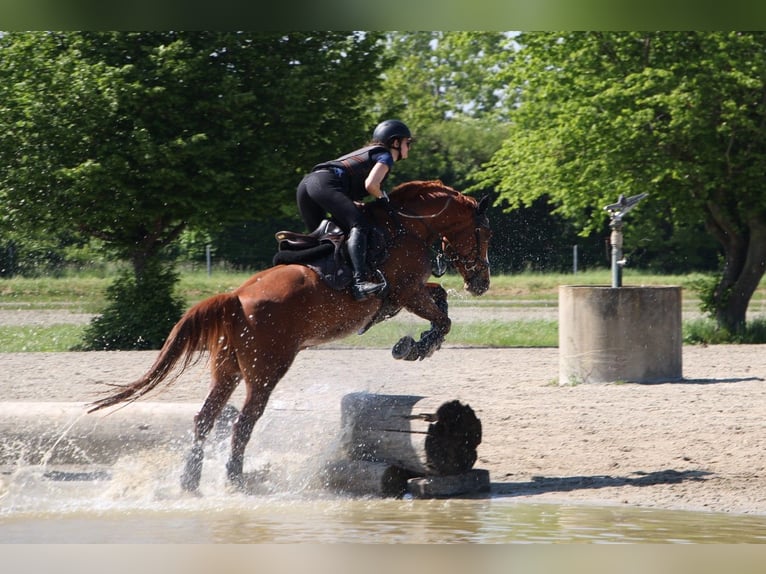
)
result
[(324, 251), (327, 232)]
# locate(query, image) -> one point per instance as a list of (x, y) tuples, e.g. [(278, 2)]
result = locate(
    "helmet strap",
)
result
[(398, 149)]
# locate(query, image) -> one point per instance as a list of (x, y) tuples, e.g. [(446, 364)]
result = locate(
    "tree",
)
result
[(133, 137), (446, 87), (433, 76), (437, 82), (679, 115)]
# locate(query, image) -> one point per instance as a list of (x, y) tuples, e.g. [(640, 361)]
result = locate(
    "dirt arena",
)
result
[(697, 444)]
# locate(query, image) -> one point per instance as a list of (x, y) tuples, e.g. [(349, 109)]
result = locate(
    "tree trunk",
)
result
[(150, 241), (743, 271), (744, 244), (426, 436), (364, 478)]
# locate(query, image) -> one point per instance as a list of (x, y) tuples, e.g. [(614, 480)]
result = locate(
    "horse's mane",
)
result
[(413, 190)]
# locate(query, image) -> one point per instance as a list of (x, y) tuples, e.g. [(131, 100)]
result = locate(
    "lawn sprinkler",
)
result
[(617, 211)]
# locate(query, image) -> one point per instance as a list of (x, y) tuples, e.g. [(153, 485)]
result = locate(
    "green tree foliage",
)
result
[(132, 138), (677, 114), (447, 87), (433, 76), (141, 311)]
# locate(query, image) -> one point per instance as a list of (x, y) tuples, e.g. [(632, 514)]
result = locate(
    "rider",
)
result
[(333, 187)]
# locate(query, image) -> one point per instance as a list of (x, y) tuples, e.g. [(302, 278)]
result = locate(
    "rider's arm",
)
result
[(375, 178)]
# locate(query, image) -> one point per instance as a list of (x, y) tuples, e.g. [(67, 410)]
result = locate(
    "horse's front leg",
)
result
[(430, 304)]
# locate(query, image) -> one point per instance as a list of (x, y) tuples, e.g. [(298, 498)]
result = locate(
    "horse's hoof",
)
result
[(189, 483), (192, 473), (190, 489), (236, 483), (404, 348), (235, 475), (430, 342)]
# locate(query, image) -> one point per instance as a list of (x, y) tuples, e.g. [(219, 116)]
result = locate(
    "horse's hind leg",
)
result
[(241, 432), (225, 376), (260, 382)]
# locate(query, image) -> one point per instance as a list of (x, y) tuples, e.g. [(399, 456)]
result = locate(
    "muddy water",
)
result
[(137, 501)]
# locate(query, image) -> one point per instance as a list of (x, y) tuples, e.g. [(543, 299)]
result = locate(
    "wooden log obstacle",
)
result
[(394, 444)]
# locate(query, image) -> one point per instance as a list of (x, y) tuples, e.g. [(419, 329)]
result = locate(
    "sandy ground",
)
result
[(696, 444)]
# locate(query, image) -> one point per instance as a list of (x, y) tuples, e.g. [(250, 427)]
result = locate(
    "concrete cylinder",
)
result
[(609, 334)]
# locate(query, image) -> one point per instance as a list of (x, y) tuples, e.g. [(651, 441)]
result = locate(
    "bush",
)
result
[(707, 332), (705, 287), (140, 314)]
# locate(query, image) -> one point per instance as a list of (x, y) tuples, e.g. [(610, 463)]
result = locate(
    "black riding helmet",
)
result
[(389, 130)]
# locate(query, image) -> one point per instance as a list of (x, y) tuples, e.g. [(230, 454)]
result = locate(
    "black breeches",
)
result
[(322, 192)]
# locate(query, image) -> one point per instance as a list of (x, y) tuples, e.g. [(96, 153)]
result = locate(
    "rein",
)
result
[(431, 216)]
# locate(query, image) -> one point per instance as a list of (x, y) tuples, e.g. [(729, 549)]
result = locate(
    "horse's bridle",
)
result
[(478, 263), (449, 253)]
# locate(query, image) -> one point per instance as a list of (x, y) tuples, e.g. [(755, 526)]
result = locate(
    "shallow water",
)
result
[(138, 502), (137, 499)]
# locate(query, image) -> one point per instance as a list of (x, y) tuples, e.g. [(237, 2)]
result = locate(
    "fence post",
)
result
[(574, 259)]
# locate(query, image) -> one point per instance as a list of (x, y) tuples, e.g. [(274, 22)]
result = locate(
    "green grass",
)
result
[(85, 293), (706, 331), (78, 293), (537, 333), (53, 338), (534, 333)]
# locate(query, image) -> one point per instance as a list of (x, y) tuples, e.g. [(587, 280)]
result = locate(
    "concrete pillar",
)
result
[(609, 334)]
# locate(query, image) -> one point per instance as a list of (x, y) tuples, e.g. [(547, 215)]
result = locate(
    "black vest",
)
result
[(356, 166)]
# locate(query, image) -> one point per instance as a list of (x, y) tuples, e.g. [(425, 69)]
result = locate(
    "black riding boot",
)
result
[(357, 252)]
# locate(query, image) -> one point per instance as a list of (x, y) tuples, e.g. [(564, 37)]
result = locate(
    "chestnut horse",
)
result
[(254, 333)]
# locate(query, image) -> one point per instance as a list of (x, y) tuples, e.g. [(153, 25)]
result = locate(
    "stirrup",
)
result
[(361, 290), (365, 289)]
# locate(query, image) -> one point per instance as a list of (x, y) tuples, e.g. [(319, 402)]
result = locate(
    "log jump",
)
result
[(394, 444)]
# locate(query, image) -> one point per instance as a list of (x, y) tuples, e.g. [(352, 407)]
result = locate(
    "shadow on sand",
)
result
[(545, 484), (700, 381)]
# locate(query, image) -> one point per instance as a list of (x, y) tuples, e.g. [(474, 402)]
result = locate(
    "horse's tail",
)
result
[(203, 328)]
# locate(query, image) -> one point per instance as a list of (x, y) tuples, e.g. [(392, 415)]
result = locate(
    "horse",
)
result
[(254, 333)]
